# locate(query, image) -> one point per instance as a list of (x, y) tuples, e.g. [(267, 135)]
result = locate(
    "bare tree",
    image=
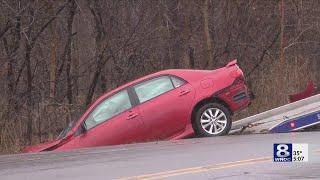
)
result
[(207, 33)]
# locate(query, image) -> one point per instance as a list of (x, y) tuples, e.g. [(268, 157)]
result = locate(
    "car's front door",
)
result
[(113, 121), (165, 104)]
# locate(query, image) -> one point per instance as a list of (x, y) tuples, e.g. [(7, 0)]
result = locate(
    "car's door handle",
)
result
[(131, 116), (184, 92)]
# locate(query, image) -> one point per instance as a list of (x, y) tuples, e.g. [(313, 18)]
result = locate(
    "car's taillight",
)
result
[(238, 80), (238, 75)]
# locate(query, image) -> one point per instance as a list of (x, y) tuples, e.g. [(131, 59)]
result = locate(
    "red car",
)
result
[(167, 105)]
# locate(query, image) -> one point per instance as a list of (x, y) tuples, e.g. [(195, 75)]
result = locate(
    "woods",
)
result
[(58, 56)]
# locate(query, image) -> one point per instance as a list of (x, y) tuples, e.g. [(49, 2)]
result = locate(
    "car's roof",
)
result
[(189, 75), (182, 73)]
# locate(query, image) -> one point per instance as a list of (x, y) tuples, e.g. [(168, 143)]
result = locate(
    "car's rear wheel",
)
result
[(212, 119)]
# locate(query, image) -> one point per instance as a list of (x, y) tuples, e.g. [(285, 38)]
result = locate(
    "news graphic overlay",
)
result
[(287, 152)]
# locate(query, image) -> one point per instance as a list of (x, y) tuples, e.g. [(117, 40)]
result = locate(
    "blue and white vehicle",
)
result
[(297, 123), (288, 118)]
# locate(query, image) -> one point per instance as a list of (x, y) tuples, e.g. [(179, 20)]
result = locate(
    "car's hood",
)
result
[(40, 147)]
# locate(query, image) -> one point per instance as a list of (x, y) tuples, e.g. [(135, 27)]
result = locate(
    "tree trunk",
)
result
[(29, 90), (72, 8), (207, 34), (186, 34), (10, 50), (28, 48), (95, 10), (282, 32), (53, 55), (95, 79), (282, 64), (191, 58)]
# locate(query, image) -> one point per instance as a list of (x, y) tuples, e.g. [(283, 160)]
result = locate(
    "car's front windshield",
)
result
[(75, 118), (67, 129)]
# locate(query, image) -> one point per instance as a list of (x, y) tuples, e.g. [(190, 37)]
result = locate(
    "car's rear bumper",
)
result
[(237, 97)]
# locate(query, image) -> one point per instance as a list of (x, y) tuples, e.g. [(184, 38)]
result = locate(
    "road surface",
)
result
[(228, 157)]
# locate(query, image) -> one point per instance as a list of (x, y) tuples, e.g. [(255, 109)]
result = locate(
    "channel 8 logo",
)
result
[(282, 152)]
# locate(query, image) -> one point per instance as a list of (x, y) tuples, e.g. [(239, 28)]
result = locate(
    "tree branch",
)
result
[(34, 39), (5, 29)]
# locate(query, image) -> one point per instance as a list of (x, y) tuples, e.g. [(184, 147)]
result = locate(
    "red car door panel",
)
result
[(168, 114), (124, 128)]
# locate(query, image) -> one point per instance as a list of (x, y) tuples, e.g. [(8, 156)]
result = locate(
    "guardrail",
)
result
[(307, 105)]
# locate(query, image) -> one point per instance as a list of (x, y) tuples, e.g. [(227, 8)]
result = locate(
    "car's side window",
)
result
[(177, 82), (110, 107), (152, 88)]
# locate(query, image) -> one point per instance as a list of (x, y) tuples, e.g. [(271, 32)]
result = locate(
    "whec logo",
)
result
[(282, 152)]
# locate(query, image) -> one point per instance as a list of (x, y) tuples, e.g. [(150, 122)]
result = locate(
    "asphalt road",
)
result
[(229, 157)]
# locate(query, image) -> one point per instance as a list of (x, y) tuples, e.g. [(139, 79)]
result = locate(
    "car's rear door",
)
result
[(114, 121), (165, 105)]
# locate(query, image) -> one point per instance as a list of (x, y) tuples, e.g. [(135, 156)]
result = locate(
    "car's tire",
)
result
[(207, 123)]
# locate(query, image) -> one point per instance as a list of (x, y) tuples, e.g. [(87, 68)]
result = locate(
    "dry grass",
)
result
[(271, 88), (48, 122)]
